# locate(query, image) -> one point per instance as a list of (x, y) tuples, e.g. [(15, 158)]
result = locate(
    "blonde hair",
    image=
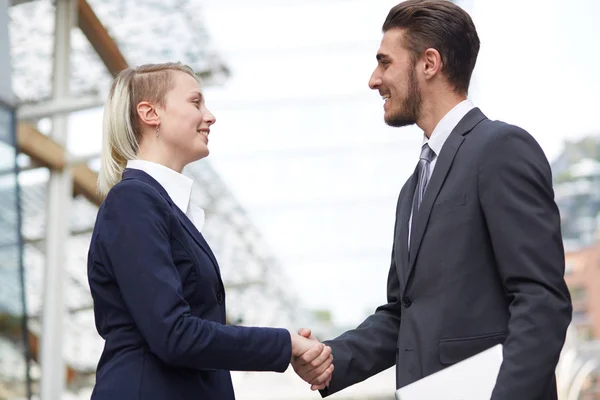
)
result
[(121, 132)]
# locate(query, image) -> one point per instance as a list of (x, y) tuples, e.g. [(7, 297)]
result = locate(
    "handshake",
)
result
[(311, 359)]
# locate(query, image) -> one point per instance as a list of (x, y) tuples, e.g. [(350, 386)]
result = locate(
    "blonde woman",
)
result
[(159, 300)]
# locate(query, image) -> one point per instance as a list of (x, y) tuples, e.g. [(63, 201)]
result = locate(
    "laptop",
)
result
[(470, 379)]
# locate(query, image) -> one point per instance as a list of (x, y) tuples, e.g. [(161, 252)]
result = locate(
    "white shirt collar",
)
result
[(177, 186), (446, 125)]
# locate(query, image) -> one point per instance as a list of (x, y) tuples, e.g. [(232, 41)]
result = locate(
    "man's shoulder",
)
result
[(495, 132), (490, 129), (504, 141)]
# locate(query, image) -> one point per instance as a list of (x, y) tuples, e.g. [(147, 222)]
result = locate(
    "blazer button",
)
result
[(220, 297), (406, 302)]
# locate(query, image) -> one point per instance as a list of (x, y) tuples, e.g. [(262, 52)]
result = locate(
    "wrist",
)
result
[(292, 345)]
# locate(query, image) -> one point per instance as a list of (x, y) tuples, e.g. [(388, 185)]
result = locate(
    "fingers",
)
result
[(323, 380), (318, 366), (300, 345), (319, 375), (308, 351), (306, 333), (318, 371), (312, 361), (321, 358)]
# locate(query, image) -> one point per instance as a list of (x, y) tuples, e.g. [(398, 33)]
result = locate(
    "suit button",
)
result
[(406, 302), (220, 297)]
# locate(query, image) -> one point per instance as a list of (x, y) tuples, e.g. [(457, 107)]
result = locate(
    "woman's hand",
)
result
[(312, 361)]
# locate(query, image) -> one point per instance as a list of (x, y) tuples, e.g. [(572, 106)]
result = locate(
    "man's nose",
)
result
[(375, 81)]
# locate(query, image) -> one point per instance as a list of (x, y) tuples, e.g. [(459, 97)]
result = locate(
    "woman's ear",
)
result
[(148, 114)]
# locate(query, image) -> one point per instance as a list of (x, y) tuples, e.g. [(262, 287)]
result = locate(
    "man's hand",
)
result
[(306, 333), (311, 360)]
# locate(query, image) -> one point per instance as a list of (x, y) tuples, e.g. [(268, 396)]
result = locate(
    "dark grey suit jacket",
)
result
[(486, 266)]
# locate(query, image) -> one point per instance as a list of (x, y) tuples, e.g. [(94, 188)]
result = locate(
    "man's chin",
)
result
[(399, 122)]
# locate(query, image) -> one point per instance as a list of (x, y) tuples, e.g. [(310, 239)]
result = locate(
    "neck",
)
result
[(159, 156), (435, 109)]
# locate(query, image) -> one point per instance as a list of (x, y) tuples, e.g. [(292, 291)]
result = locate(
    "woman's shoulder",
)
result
[(132, 187), (130, 197), (131, 207)]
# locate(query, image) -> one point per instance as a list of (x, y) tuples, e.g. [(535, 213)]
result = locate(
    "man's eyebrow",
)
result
[(199, 94), (381, 57)]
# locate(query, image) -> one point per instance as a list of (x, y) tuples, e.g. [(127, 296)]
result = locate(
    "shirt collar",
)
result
[(446, 125), (177, 186)]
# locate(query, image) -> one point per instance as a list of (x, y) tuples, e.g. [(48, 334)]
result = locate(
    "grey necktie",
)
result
[(427, 155), (425, 159)]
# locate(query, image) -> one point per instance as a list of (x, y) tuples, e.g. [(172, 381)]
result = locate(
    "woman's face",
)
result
[(185, 121)]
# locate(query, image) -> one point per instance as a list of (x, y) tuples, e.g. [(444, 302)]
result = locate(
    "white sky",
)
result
[(300, 138)]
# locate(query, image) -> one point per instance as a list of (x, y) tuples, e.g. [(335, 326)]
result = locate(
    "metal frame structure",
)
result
[(13, 310), (57, 229), (8, 108)]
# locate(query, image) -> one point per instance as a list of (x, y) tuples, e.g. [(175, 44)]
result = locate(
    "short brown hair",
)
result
[(444, 26)]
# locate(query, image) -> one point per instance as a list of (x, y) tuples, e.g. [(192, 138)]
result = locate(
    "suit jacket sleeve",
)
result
[(370, 348), (517, 199), (135, 249)]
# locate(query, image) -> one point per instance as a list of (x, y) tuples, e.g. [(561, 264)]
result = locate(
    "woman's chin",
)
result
[(202, 153)]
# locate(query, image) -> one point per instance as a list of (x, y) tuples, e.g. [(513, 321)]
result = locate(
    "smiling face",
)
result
[(396, 80), (184, 120)]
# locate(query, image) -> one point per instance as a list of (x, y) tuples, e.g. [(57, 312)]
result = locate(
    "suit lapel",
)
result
[(440, 171), (402, 229), (197, 236)]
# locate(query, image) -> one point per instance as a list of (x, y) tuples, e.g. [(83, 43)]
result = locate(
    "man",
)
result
[(477, 257)]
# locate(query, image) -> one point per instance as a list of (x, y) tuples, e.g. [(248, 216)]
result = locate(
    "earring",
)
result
[(157, 130)]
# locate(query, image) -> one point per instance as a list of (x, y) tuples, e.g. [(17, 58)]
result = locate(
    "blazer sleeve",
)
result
[(515, 185), (134, 245), (371, 348)]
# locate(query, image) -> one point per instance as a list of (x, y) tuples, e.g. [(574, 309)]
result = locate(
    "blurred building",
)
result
[(577, 190), (583, 278), (578, 370)]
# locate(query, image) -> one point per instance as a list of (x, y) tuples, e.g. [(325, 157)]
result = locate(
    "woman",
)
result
[(159, 300)]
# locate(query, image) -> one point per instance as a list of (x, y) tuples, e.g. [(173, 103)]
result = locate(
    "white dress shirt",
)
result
[(444, 128), (439, 136), (177, 186)]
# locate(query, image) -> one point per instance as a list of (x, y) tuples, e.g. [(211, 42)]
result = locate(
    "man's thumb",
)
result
[(305, 332)]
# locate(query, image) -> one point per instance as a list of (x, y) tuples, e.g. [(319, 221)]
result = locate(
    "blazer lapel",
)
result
[(440, 171), (402, 229), (197, 236)]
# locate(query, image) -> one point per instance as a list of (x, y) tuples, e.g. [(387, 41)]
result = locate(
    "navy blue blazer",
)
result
[(159, 304)]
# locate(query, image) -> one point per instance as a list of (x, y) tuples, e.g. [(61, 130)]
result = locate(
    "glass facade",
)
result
[(14, 369)]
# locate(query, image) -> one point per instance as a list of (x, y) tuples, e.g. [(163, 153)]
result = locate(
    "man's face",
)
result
[(396, 80)]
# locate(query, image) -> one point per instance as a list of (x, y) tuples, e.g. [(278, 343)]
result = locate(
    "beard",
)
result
[(410, 107)]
